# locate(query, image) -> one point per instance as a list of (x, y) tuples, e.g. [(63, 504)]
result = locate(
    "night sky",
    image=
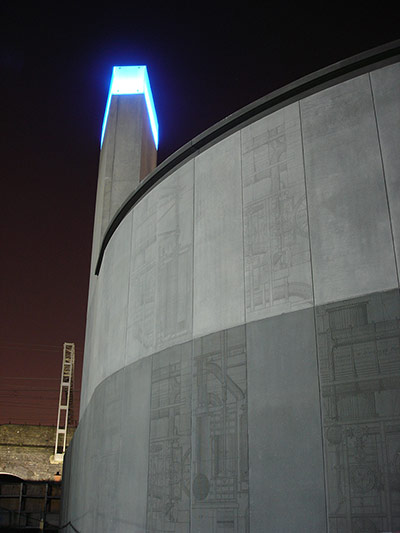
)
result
[(204, 63)]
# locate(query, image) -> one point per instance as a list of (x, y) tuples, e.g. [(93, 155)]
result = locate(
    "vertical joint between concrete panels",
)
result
[(307, 210), (384, 178), (192, 355), (245, 326), (191, 431), (243, 249), (194, 247), (114, 518), (128, 291), (124, 367), (193, 232), (148, 445), (315, 320)]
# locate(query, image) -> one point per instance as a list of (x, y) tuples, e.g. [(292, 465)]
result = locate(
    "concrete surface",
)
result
[(242, 357), (285, 435), (276, 236), (359, 360), (351, 243), (385, 85), (218, 235)]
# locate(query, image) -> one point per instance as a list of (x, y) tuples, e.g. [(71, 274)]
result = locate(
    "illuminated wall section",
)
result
[(242, 364)]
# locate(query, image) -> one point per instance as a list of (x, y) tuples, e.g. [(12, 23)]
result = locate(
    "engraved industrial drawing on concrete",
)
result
[(358, 350), (161, 272), (175, 251), (277, 255), (141, 308), (168, 498), (220, 476)]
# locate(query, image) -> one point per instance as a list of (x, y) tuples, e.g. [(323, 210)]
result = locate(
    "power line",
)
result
[(19, 377), (29, 346), (36, 407), (14, 389)]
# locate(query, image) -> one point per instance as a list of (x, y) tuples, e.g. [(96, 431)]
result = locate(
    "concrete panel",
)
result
[(285, 436), (87, 482), (107, 421), (385, 85), (351, 243), (131, 491), (276, 237), (218, 237), (174, 296), (161, 279), (220, 473), (168, 496), (73, 491), (66, 485), (82, 489), (143, 273), (112, 306), (89, 377), (83, 496), (359, 359)]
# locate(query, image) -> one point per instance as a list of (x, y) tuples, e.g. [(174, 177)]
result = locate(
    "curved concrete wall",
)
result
[(242, 366)]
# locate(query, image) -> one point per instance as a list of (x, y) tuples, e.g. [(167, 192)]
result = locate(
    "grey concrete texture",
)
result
[(66, 485), (289, 423), (113, 284), (169, 479), (105, 342), (242, 349), (351, 238), (218, 238), (220, 468), (161, 268), (91, 339), (162, 445), (295, 210), (287, 491), (107, 491), (276, 235), (359, 360), (385, 85), (255, 214)]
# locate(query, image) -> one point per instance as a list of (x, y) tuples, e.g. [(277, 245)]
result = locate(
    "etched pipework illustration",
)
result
[(220, 476), (142, 294), (359, 359), (161, 279), (168, 497), (277, 256), (174, 276)]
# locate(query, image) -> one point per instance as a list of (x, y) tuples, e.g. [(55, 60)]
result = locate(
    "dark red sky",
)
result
[(204, 63)]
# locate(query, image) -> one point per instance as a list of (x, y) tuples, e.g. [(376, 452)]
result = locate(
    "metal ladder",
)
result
[(65, 400)]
